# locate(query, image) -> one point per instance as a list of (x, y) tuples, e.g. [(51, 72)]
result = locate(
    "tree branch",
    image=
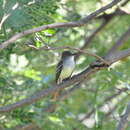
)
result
[(39, 95), (108, 99), (51, 107), (76, 78), (118, 55), (81, 22), (72, 48), (117, 12), (124, 119), (89, 39), (124, 2), (119, 42), (106, 19), (29, 126)]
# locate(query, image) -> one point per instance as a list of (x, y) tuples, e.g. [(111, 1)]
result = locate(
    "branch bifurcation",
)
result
[(75, 79), (81, 22), (84, 75)]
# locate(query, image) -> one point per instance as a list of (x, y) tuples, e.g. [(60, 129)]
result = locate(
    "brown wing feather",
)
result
[(58, 70)]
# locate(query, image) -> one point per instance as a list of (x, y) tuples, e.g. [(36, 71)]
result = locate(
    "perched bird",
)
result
[(64, 68)]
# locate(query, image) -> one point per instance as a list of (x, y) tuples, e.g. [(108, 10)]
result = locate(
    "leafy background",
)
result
[(25, 70)]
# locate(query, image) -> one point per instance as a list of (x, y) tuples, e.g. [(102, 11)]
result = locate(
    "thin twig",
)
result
[(119, 42), (81, 22), (51, 107), (72, 48), (108, 99), (124, 119), (89, 39), (76, 78)]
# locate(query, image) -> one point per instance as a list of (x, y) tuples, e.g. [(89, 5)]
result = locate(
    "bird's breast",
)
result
[(68, 67)]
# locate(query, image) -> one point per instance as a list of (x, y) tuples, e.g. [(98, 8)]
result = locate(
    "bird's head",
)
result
[(67, 53)]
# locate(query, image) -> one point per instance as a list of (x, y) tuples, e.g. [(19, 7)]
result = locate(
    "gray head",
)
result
[(66, 54)]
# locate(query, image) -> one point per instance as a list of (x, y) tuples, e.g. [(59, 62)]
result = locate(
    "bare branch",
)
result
[(76, 78), (39, 95), (124, 119), (51, 107), (106, 19), (5, 17), (81, 22), (68, 92), (118, 55), (118, 12), (72, 48), (89, 39), (119, 42), (29, 126), (108, 99), (124, 2)]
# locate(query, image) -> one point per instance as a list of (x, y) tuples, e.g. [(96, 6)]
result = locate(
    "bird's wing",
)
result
[(58, 70)]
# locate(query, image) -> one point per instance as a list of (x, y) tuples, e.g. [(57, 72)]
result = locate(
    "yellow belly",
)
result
[(67, 68), (65, 73)]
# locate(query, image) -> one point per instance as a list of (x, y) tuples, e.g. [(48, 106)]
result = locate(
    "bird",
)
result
[(64, 68)]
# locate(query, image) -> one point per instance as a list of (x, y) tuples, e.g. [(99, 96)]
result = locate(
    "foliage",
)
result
[(25, 70)]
